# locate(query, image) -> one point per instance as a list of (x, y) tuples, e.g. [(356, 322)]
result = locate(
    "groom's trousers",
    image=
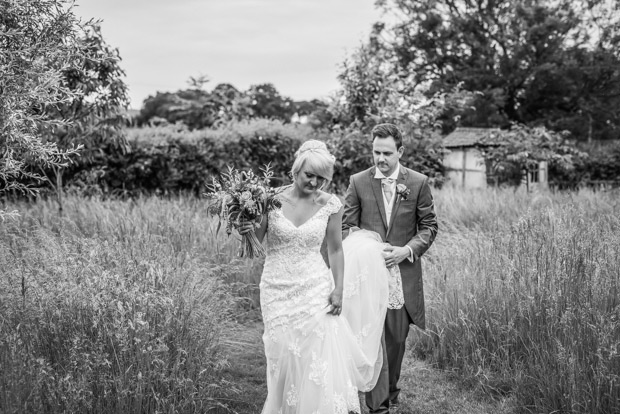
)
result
[(394, 339)]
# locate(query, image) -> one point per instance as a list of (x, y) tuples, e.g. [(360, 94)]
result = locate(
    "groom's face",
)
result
[(386, 155)]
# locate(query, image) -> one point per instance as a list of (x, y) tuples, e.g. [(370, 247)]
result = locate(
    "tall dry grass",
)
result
[(522, 294), (118, 307)]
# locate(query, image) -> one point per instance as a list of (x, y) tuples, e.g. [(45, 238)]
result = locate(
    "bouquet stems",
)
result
[(251, 247)]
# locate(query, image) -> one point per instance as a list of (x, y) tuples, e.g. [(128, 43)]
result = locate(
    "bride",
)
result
[(323, 322)]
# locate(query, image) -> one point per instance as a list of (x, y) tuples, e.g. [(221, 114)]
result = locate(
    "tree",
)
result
[(37, 45), (232, 104), (266, 102), (516, 151), (373, 91), (96, 110), (196, 107), (539, 62)]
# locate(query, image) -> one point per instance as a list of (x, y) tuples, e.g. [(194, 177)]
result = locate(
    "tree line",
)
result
[(198, 108)]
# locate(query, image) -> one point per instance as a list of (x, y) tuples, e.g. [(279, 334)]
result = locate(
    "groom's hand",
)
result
[(393, 255)]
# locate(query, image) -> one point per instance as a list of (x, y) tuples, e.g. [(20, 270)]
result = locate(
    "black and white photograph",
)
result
[(310, 207)]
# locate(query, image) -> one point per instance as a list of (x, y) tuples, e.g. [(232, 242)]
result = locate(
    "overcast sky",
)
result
[(298, 45)]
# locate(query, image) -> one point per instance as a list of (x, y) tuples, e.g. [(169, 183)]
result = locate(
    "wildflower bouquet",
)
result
[(242, 196)]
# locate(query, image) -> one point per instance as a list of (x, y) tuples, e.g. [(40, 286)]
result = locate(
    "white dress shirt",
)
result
[(389, 204)]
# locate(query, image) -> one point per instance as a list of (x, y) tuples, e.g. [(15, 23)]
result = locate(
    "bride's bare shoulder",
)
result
[(280, 190), (281, 193), (323, 197)]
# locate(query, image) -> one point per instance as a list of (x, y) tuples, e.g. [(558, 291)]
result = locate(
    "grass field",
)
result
[(129, 306)]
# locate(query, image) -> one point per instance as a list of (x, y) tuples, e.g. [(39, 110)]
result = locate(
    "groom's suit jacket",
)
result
[(413, 223)]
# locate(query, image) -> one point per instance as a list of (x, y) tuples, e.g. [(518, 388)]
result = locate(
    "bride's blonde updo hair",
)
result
[(315, 156)]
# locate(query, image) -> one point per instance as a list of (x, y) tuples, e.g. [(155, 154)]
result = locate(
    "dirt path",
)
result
[(425, 390)]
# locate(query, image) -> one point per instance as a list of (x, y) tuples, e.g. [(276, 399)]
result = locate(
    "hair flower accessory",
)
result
[(402, 191)]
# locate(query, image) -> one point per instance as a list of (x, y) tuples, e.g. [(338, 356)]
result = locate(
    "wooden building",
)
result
[(464, 164)]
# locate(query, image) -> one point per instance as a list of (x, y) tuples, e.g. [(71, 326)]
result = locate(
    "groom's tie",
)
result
[(386, 183)]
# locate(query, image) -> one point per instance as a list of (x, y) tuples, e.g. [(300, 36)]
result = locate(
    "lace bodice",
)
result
[(295, 278)]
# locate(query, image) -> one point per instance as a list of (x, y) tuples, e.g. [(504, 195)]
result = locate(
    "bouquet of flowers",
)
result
[(242, 196)]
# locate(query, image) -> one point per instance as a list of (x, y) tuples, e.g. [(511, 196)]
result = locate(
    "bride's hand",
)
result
[(335, 300), (245, 227)]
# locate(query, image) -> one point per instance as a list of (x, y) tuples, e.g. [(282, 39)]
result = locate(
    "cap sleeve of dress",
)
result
[(333, 205)]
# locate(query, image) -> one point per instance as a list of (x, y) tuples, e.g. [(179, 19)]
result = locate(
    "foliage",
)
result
[(96, 110), (549, 63), (116, 308), (266, 102), (372, 93), (603, 163), (199, 109), (38, 45), (170, 159), (196, 108), (521, 148), (95, 113), (599, 168)]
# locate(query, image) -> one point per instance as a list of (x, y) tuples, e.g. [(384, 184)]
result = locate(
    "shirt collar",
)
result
[(379, 175)]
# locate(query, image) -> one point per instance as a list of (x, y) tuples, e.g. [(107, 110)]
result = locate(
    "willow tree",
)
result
[(36, 47), (95, 110), (53, 104)]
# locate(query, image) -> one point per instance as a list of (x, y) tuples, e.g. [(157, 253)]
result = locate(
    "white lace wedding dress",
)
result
[(316, 362)]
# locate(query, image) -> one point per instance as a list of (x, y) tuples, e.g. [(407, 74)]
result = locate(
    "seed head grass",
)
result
[(128, 306), (522, 296), (116, 307)]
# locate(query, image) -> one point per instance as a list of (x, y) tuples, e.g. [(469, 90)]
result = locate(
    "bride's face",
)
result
[(307, 181)]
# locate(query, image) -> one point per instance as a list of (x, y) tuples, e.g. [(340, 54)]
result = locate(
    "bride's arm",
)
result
[(336, 259), (262, 228)]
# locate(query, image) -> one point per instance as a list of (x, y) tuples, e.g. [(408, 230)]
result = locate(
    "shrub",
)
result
[(600, 163), (171, 159)]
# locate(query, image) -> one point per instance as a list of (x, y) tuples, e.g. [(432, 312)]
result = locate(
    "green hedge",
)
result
[(171, 159)]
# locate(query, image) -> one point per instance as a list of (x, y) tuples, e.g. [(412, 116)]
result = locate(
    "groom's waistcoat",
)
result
[(413, 223)]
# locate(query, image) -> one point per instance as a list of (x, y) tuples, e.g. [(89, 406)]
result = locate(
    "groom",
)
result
[(395, 202)]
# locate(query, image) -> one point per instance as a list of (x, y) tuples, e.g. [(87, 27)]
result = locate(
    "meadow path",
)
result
[(425, 390)]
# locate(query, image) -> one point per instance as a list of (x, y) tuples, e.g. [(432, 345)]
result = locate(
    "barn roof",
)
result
[(466, 137)]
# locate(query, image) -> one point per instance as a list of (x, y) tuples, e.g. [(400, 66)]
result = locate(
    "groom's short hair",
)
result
[(387, 130)]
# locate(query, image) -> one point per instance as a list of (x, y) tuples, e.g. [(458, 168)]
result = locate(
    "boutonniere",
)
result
[(402, 191)]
